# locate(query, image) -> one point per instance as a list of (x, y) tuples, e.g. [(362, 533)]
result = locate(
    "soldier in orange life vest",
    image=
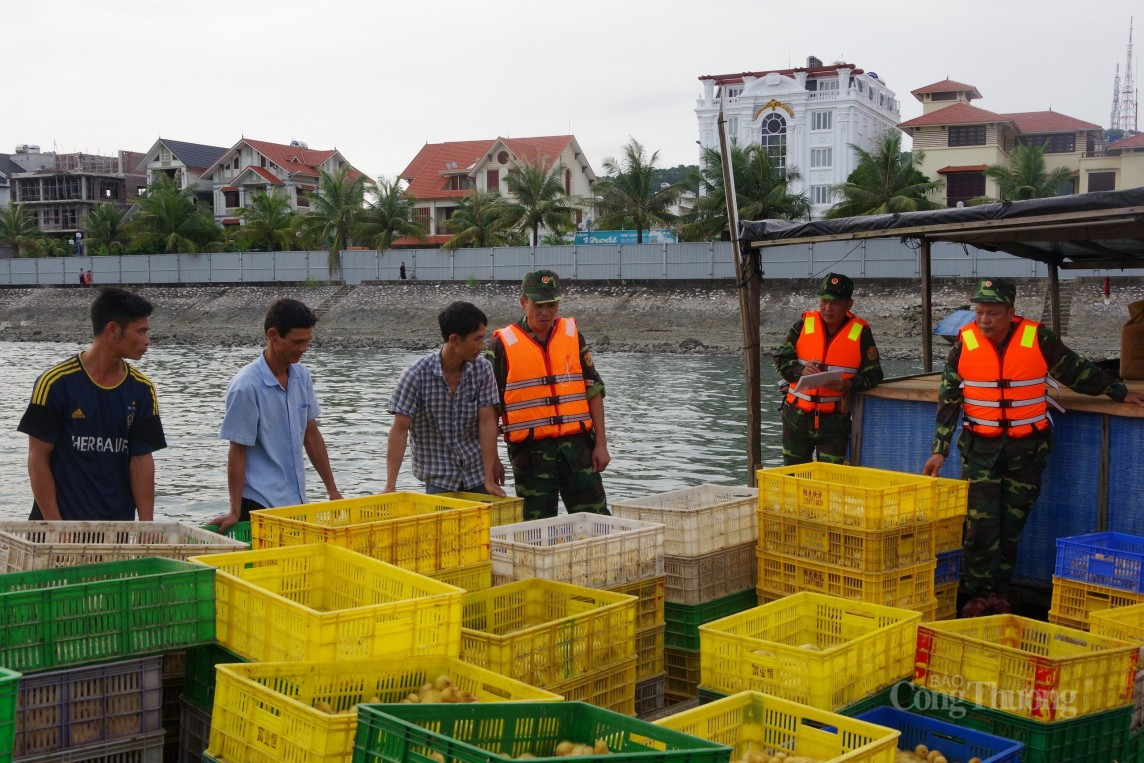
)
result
[(830, 338), (995, 382), (552, 405)]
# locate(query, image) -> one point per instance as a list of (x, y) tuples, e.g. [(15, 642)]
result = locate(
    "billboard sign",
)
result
[(614, 237)]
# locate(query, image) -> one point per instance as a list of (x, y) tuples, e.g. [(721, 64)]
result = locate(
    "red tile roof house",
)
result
[(441, 173), (250, 166)]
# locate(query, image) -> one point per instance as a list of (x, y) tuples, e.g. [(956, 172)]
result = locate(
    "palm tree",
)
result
[(539, 199), (167, 219), (106, 228), (268, 222), (629, 193), (389, 216), (18, 231), (481, 219), (334, 212), (762, 192), (1027, 175), (886, 181)]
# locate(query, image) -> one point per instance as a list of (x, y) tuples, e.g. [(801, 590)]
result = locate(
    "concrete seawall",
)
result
[(658, 317)]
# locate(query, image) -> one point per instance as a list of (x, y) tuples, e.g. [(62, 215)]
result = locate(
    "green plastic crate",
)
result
[(199, 685), (238, 531), (706, 695), (1095, 737), (9, 693), (1133, 750), (484, 733), (104, 612), (683, 620), (896, 695)]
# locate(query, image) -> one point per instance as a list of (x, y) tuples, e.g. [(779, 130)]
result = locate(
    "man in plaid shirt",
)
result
[(447, 402)]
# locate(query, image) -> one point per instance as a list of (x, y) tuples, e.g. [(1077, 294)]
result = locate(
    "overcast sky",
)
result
[(377, 79)]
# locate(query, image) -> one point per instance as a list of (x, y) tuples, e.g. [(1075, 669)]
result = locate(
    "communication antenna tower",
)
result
[(1128, 91), (1114, 117)]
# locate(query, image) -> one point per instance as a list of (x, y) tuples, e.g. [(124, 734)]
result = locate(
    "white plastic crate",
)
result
[(590, 550), (698, 520)]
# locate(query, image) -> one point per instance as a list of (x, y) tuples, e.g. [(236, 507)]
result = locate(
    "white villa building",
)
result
[(808, 116)]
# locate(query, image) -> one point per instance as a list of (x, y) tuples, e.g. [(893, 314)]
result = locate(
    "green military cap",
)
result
[(835, 286), (995, 290), (541, 286)]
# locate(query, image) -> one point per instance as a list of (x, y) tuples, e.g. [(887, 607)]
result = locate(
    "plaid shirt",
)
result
[(444, 435)]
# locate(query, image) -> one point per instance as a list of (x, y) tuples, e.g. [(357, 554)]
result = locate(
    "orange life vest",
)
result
[(544, 393), (1003, 394), (842, 352)]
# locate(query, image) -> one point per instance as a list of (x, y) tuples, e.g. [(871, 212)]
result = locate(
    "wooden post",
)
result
[(927, 307), (1055, 297), (748, 278)]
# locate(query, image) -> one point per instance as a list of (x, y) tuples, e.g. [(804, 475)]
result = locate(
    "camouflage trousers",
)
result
[(553, 467), (1002, 492), (801, 438)]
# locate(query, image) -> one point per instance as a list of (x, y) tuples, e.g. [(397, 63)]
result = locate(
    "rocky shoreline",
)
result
[(651, 317)]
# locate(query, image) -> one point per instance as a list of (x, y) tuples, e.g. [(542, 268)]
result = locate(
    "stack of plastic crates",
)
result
[(709, 566), (1094, 573), (573, 641), (864, 534), (1064, 693), (601, 552), (443, 538), (1127, 624)]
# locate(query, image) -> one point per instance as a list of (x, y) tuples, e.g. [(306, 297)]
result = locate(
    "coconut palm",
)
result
[(19, 233), (167, 219), (1027, 176), (388, 216), (630, 194), (105, 228), (268, 223), (762, 192), (481, 219), (887, 180), (539, 200), (334, 212)]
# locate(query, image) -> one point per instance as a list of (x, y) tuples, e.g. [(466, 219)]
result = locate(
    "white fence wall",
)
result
[(872, 258)]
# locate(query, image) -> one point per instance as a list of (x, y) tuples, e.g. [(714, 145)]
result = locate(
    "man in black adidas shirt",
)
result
[(93, 422)]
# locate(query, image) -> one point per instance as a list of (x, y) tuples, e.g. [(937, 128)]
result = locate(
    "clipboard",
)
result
[(819, 379)]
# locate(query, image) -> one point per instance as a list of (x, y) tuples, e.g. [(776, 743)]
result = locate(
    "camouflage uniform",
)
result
[(829, 434), (1004, 473), (553, 467)]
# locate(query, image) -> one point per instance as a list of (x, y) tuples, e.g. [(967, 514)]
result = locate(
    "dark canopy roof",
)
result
[(1091, 230)]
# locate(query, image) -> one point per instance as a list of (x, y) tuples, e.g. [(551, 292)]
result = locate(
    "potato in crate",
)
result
[(857, 496), (1025, 667), (585, 549), (422, 533), (819, 650), (757, 724), (307, 711), (542, 632), (324, 602), (47, 545), (500, 733), (698, 520), (503, 510)]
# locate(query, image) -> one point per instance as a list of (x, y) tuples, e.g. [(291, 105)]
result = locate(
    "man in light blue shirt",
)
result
[(271, 417), (446, 402)]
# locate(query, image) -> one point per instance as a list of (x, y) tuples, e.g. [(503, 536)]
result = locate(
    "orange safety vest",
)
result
[(545, 392), (1003, 395), (842, 352)]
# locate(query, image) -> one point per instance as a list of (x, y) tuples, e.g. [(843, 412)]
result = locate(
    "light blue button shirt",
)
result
[(271, 422)]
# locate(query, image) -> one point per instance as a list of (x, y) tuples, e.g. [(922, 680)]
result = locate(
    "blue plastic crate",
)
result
[(1113, 560), (948, 568), (954, 742)]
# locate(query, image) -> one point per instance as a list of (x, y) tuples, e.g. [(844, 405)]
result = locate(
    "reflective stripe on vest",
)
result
[(842, 352), (1003, 394), (545, 389)]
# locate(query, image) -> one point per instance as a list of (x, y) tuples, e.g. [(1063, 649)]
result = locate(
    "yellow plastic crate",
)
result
[(1123, 623), (946, 601), (267, 711), (649, 652), (698, 520), (859, 497), (649, 595), (1024, 667), (422, 533), (948, 535), (753, 722), (611, 687), (847, 547), (508, 510), (542, 632), (819, 650), (471, 577), (323, 602), (908, 587), (1074, 602)]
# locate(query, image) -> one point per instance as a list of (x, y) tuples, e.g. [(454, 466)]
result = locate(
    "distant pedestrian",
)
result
[(82, 277), (402, 271), (1107, 289), (87, 278)]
